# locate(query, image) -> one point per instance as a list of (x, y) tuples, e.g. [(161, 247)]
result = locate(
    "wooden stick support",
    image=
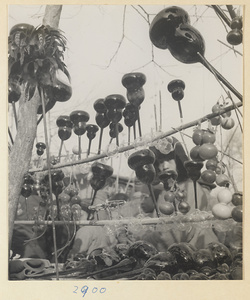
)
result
[(184, 143), (60, 150), (134, 131), (128, 135), (153, 199), (156, 125), (92, 202), (58, 207), (139, 123), (79, 147), (116, 134), (220, 77), (160, 110), (88, 152), (180, 110), (14, 112), (26, 208), (100, 141), (195, 194)]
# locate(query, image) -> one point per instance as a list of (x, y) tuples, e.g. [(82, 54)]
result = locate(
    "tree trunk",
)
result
[(21, 152), (52, 15)]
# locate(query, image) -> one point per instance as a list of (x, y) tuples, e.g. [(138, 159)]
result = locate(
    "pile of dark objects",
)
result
[(142, 261)]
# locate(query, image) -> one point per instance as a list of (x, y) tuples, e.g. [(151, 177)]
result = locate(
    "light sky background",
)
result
[(94, 32)]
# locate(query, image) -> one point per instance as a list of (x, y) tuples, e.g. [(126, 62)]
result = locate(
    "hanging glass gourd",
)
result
[(171, 29), (115, 104), (142, 163), (130, 117), (65, 130), (91, 134), (134, 82), (101, 119), (98, 180), (79, 119)]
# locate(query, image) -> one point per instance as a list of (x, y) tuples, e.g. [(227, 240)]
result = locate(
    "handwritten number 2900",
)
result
[(85, 289)]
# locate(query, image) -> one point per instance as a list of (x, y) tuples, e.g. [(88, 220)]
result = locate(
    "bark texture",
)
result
[(52, 15), (21, 152)]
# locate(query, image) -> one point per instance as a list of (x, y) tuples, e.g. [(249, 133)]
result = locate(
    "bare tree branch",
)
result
[(146, 19), (122, 38)]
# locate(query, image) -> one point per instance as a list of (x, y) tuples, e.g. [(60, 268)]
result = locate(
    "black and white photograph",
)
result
[(125, 143)]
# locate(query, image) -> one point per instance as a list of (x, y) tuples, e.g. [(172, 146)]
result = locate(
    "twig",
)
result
[(199, 17), (10, 135), (15, 113), (122, 38), (141, 13)]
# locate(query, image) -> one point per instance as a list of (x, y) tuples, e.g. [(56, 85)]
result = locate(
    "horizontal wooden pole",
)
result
[(132, 146), (130, 221)]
